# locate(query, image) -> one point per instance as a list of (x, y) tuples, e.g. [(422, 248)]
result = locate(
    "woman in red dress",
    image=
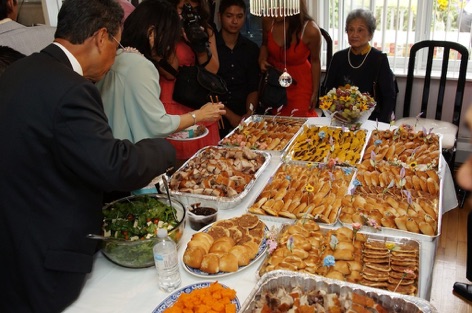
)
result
[(299, 54), (184, 55)]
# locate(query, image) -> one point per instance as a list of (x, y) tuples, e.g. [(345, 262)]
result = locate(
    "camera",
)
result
[(196, 35)]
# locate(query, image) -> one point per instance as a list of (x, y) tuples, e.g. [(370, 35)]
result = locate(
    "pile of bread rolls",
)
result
[(226, 246), (298, 191), (397, 183)]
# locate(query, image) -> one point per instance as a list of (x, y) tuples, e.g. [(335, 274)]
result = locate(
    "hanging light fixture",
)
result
[(274, 8), (277, 8)]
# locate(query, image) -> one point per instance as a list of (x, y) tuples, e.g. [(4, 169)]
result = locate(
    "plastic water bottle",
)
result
[(166, 261)]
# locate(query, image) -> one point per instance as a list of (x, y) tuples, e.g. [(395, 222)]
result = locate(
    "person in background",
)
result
[(127, 7), (130, 90), (238, 65), (19, 37), (189, 53), (60, 157), (464, 179), (7, 57), (299, 53), (364, 66)]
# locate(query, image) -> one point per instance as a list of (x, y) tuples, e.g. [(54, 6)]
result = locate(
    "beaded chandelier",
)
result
[(274, 8)]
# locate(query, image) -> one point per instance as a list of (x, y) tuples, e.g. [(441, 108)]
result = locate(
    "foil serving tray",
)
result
[(315, 187), (220, 202), (325, 144), (276, 126), (398, 242), (392, 302)]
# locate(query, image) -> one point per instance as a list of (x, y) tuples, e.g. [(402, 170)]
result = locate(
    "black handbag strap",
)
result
[(172, 71)]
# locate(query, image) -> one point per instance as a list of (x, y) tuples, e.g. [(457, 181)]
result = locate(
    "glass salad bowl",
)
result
[(130, 227)]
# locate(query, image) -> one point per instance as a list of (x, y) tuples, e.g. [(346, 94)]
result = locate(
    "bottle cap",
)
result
[(162, 232)]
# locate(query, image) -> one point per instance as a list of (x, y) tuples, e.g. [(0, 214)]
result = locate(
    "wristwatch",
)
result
[(192, 114)]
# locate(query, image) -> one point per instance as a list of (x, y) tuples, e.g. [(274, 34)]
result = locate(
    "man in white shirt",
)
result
[(19, 37)]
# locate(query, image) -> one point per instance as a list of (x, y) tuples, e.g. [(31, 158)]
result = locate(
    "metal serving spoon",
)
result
[(99, 237)]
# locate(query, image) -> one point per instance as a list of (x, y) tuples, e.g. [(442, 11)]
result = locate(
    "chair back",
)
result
[(432, 47), (329, 47), (329, 56)]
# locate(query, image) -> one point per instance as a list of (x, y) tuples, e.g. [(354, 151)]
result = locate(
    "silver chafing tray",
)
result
[(317, 196), (394, 243), (392, 302), (220, 202), (314, 144), (268, 128)]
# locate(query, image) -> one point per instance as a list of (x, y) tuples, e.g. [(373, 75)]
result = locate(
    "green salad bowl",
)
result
[(130, 227)]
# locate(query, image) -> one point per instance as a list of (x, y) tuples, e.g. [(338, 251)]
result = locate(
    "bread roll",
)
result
[(193, 256), (223, 244), (228, 263), (210, 264), (343, 254), (241, 253), (252, 248)]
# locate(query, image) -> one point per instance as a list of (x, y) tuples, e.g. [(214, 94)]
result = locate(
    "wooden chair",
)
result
[(436, 120)]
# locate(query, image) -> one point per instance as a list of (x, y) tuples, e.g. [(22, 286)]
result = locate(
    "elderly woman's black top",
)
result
[(374, 69)]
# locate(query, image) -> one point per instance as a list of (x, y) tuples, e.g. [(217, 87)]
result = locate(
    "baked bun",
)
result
[(252, 248), (335, 275), (343, 254), (242, 254), (228, 263), (210, 264), (193, 256), (223, 244)]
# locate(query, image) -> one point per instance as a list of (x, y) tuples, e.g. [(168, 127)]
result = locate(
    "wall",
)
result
[(30, 13)]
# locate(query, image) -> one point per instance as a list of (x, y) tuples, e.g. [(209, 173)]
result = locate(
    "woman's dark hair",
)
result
[(5, 9), (157, 15), (80, 19), (296, 23)]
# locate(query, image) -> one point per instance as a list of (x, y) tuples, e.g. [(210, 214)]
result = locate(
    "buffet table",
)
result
[(112, 288)]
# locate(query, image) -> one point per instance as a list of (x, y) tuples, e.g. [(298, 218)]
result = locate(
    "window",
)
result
[(400, 23)]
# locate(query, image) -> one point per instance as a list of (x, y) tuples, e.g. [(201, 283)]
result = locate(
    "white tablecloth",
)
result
[(111, 288)]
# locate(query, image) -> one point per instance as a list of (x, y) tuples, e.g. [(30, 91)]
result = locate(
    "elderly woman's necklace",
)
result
[(349, 58)]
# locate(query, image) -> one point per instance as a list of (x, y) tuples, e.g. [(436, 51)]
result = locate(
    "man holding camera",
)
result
[(238, 64)]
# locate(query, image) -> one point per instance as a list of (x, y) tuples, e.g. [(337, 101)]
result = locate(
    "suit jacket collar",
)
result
[(57, 53)]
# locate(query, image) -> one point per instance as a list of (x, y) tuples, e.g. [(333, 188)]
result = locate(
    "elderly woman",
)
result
[(364, 66)]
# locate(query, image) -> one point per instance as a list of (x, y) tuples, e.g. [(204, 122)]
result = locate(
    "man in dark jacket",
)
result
[(59, 156)]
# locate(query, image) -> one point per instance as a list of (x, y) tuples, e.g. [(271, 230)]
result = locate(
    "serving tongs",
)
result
[(166, 187)]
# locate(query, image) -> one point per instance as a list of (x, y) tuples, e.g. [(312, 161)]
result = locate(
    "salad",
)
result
[(138, 218)]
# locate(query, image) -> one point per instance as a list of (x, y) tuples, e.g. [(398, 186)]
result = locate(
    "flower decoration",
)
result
[(405, 273), (347, 102), (293, 112), (329, 260), (322, 135), (377, 142), (309, 188), (267, 110), (333, 242), (391, 246), (290, 243), (271, 239), (355, 228)]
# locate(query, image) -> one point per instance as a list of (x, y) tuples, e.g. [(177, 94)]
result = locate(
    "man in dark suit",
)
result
[(464, 179), (58, 157)]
